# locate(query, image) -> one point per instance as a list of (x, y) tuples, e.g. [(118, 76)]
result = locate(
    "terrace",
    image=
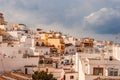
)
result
[(94, 77), (16, 75)]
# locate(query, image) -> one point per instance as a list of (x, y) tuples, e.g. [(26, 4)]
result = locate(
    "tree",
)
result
[(42, 76)]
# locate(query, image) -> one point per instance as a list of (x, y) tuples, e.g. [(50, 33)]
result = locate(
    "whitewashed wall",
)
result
[(9, 64)]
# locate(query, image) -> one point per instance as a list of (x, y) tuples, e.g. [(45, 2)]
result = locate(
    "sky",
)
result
[(98, 19)]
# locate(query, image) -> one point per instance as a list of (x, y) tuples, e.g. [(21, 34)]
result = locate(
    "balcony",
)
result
[(94, 77)]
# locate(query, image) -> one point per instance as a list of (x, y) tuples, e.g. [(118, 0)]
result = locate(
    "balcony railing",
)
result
[(98, 77)]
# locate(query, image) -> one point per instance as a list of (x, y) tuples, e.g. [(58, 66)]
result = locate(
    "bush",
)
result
[(42, 76)]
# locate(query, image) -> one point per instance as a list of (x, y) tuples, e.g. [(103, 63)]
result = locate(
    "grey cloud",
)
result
[(68, 13), (104, 21)]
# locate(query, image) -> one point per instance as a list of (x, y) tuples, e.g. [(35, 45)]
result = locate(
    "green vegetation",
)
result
[(42, 76)]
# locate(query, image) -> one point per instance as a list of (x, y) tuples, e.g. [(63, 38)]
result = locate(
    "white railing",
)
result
[(92, 77)]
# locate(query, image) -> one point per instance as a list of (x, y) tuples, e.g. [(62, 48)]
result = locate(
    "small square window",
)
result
[(72, 77)]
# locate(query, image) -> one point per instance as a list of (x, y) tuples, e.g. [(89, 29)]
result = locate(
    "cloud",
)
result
[(68, 14), (104, 21)]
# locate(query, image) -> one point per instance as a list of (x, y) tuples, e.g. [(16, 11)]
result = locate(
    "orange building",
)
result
[(87, 42), (58, 43)]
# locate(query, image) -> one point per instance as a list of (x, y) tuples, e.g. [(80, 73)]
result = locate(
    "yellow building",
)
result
[(58, 43), (15, 26), (44, 37), (50, 39)]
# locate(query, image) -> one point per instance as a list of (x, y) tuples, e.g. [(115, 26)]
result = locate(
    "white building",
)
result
[(1, 38), (103, 64), (70, 49), (42, 50), (15, 63)]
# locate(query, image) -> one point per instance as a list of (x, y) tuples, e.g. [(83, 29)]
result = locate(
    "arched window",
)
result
[(37, 43)]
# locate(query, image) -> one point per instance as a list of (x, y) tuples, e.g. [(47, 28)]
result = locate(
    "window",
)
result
[(12, 45), (97, 71), (112, 72), (66, 61), (42, 44), (110, 58), (41, 61), (25, 55), (19, 52), (71, 77), (86, 44), (46, 53), (72, 49), (37, 43)]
